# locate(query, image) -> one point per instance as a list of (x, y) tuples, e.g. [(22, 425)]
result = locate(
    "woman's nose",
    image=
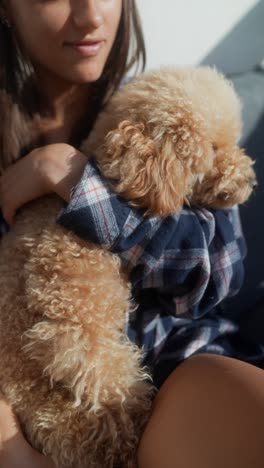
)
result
[(87, 13)]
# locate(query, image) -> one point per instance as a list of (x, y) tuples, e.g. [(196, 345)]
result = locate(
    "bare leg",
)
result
[(15, 452), (208, 414)]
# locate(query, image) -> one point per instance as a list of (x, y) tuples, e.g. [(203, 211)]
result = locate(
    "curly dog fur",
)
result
[(172, 138), (67, 368)]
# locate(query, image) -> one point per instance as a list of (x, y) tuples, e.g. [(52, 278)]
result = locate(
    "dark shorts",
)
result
[(168, 340)]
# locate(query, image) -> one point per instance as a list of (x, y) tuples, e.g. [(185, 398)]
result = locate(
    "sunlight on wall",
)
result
[(184, 31)]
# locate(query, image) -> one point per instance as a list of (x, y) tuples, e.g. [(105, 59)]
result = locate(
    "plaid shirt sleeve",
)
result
[(195, 256)]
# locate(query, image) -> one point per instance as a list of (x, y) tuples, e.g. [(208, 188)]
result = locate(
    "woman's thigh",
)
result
[(208, 414)]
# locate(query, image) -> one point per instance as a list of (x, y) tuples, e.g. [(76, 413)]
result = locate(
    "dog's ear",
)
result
[(153, 166), (229, 183)]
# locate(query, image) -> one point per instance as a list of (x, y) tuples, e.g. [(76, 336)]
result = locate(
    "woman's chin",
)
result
[(87, 75)]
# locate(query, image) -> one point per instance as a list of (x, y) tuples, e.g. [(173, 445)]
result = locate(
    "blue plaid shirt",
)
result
[(197, 252), (180, 267)]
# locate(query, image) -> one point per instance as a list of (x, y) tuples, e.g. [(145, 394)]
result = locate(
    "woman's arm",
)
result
[(15, 451), (47, 169), (195, 256)]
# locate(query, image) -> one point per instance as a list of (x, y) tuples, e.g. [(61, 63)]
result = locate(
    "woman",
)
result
[(60, 62)]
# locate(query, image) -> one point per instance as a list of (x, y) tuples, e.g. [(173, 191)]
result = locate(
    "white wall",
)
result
[(184, 31)]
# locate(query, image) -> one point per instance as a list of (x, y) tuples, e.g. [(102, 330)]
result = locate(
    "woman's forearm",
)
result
[(15, 451)]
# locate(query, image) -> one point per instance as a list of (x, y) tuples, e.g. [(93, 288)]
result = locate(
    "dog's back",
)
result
[(66, 367)]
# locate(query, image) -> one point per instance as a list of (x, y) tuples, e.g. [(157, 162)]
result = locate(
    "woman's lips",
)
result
[(87, 49)]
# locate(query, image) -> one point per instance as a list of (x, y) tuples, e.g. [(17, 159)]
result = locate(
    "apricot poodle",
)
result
[(67, 368), (171, 137)]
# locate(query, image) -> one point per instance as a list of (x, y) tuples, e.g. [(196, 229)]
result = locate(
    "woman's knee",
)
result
[(223, 376), (209, 412)]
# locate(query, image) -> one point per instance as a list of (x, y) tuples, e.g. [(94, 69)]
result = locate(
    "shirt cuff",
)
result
[(94, 211)]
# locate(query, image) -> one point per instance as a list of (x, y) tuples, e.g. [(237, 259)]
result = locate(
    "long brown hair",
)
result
[(20, 98)]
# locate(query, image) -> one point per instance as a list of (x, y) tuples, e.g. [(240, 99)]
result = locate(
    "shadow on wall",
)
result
[(252, 221), (237, 56), (242, 48), (253, 226)]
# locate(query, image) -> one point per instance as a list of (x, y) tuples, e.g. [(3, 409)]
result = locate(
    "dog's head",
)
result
[(156, 147), (164, 132)]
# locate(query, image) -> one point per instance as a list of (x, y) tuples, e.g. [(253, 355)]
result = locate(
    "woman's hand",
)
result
[(51, 168)]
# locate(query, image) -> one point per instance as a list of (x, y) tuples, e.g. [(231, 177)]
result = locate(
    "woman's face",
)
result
[(69, 38)]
